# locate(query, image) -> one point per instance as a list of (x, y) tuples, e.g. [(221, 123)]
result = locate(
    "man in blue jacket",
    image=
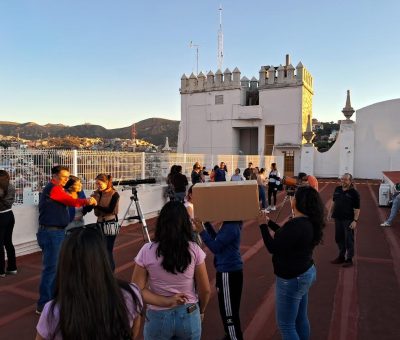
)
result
[(53, 218), (225, 245)]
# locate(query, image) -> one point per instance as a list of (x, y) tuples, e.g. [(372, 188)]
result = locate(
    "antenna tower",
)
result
[(220, 57), (191, 45), (133, 132)]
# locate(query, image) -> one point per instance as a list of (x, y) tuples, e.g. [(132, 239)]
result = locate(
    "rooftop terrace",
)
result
[(361, 302)]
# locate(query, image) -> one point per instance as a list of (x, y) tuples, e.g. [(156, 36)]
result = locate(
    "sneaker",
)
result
[(2, 275), (273, 208), (338, 260), (39, 310), (12, 272), (348, 263), (385, 224), (269, 208), (265, 211)]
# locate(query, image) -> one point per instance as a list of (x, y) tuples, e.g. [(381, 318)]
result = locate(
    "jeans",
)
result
[(291, 305), (7, 222), (261, 196), (344, 237), (50, 241), (175, 323), (395, 209)]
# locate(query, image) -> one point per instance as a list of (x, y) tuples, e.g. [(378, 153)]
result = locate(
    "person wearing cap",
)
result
[(395, 207), (310, 180)]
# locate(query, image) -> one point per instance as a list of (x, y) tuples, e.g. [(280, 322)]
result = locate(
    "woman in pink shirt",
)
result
[(169, 271)]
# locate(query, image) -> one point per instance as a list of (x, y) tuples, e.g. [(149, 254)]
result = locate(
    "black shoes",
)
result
[(338, 260)]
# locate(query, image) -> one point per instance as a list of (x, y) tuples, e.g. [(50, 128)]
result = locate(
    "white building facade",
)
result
[(224, 113)]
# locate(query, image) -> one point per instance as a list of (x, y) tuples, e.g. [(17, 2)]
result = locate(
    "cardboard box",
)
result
[(226, 201)]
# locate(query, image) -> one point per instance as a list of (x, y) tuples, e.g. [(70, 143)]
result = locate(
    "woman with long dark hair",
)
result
[(89, 303), (74, 188), (169, 271), (292, 248), (106, 209), (7, 221)]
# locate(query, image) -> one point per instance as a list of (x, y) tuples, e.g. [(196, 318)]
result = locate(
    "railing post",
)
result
[(75, 162), (143, 165)]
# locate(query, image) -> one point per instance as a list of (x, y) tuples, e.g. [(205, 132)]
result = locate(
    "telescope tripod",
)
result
[(288, 198), (139, 216)]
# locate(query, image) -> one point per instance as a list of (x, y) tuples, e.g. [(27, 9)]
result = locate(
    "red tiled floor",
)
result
[(345, 304)]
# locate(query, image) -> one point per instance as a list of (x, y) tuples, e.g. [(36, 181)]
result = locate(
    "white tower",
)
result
[(220, 57)]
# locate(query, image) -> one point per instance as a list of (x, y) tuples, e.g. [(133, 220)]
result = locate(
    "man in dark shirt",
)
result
[(248, 171), (53, 218), (346, 210)]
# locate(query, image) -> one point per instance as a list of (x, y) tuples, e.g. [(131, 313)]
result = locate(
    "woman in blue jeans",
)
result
[(292, 248)]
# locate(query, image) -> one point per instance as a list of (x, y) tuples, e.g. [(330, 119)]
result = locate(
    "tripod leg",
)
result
[(126, 212), (291, 207), (146, 234), (283, 204)]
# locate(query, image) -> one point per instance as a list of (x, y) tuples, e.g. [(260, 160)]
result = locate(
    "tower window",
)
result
[(219, 99)]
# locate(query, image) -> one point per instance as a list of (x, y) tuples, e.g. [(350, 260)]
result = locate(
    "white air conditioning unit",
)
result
[(384, 195)]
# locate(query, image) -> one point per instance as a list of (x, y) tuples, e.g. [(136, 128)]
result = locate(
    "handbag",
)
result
[(109, 228)]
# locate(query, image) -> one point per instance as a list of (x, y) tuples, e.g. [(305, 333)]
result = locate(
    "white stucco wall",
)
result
[(206, 127), (326, 164), (282, 107), (377, 139)]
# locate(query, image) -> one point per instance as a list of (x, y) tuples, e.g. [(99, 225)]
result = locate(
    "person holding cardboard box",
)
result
[(292, 248), (224, 244)]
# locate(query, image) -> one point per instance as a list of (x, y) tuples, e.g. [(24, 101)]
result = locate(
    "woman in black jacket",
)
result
[(7, 221), (292, 248)]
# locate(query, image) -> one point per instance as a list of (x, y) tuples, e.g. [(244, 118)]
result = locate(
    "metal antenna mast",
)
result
[(191, 45), (220, 57)]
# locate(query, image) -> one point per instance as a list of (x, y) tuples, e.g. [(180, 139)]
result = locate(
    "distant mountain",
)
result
[(153, 130)]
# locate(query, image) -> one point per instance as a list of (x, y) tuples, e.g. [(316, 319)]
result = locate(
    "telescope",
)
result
[(134, 182)]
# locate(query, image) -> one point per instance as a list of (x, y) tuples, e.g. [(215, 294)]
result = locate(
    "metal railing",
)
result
[(30, 169)]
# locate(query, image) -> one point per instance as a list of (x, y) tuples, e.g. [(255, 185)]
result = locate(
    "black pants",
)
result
[(7, 222), (344, 237), (229, 288), (272, 192), (110, 240)]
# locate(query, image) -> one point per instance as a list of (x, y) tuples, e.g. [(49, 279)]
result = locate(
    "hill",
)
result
[(153, 130)]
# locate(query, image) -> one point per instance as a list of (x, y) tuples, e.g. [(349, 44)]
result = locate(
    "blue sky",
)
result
[(113, 63)]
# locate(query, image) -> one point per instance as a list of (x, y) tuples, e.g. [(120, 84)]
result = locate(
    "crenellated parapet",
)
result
[(269, 77), (281, 76), (212, 82)]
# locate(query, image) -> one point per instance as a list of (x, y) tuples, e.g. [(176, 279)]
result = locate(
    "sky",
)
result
[(113, 63)]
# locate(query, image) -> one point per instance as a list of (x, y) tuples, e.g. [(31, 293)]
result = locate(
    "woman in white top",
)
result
[(274, 179)]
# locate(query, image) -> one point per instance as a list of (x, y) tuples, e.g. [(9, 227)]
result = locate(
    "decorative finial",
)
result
[(166, 148), (308, 134), (348, 110)]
